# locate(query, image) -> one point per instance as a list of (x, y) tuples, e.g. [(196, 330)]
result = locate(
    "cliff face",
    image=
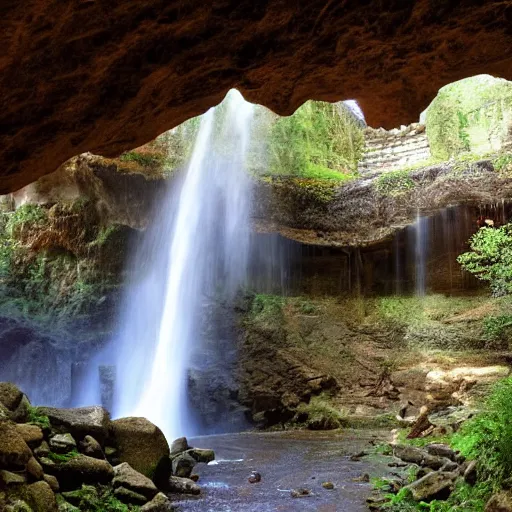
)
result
[(65, 247), (370, 209), (109, 76)]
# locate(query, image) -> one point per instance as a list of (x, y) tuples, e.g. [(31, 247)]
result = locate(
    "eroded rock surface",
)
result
[(106, 77)]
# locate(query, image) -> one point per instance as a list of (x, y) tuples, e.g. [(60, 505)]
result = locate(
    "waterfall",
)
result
[(421, 248), (195, 250)]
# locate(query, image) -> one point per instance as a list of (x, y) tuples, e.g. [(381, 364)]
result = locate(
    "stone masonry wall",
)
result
[(389, 150)]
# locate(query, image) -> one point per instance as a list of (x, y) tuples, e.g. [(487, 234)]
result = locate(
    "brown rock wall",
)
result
[(107, 76)]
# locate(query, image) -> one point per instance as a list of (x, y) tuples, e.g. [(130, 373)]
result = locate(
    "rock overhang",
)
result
[(108, 77)]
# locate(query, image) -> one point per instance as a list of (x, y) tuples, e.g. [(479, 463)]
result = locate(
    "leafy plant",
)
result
[(497, 327), (503, 163), (63, 457), (490, 258), (95, 499), (36, 418)]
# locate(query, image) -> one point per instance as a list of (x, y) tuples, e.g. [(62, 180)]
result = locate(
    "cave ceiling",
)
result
[(107, 75)]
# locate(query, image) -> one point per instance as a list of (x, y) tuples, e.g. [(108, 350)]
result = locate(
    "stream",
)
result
[(286, 461)]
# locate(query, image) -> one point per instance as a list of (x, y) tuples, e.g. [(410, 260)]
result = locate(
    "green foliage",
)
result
[(488, 436), (36, 418), (267, 307), (95, 499), (24, 216), (490, 258), (503, 163), (320, 140), (306, 307), (63, 457), (394, 183), (467, 114), (143, 159), (498, 327), (319, 414)]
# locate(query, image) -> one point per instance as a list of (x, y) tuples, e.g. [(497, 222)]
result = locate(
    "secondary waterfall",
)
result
[(196, 249)]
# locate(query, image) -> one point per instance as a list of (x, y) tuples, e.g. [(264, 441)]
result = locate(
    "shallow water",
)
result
[(286, 461)]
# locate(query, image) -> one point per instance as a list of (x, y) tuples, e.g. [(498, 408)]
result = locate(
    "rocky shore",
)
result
[(72, 460)]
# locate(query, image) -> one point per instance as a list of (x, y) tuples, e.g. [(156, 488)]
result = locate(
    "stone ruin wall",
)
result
[(389, 150)]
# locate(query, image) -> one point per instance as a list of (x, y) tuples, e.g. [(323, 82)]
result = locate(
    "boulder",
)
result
[(179, 445), (125, 476), (128, 496), (79, 470), (79, 422), (42, 450), (201, 455), (18, 506), (179, 485), (41, 497), (10, 395), (21, 413), (34, 469), (89, 446), (8, 479), (62, 443), (31, 434), (183, 464), (14, 452), (52, 482), (141, 444), (442, 450), (500, 502), (419, 457), (160, 503), (434, 486)]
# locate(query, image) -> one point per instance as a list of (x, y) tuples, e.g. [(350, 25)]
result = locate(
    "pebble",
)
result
[(254, 478), (328, 485), (301, 493)]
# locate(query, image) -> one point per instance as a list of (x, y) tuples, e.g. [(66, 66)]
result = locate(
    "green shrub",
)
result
[(319, 414), (394, 183), (498, 327), (490, 258), (488, 436), (503, 163)]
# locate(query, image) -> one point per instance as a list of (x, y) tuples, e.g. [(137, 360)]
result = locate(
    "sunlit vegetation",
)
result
[(94, 499), (394, 183), (320, 140), (490, 258), (470, 115), (487, 438)]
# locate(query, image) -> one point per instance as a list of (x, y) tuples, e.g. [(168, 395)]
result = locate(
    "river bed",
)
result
[(286, 461)]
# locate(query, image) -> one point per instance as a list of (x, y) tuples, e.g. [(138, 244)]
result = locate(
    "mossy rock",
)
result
[(141, 444)]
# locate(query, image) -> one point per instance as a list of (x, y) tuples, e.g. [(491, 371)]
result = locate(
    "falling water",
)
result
[(421, 247), (196, 250)]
